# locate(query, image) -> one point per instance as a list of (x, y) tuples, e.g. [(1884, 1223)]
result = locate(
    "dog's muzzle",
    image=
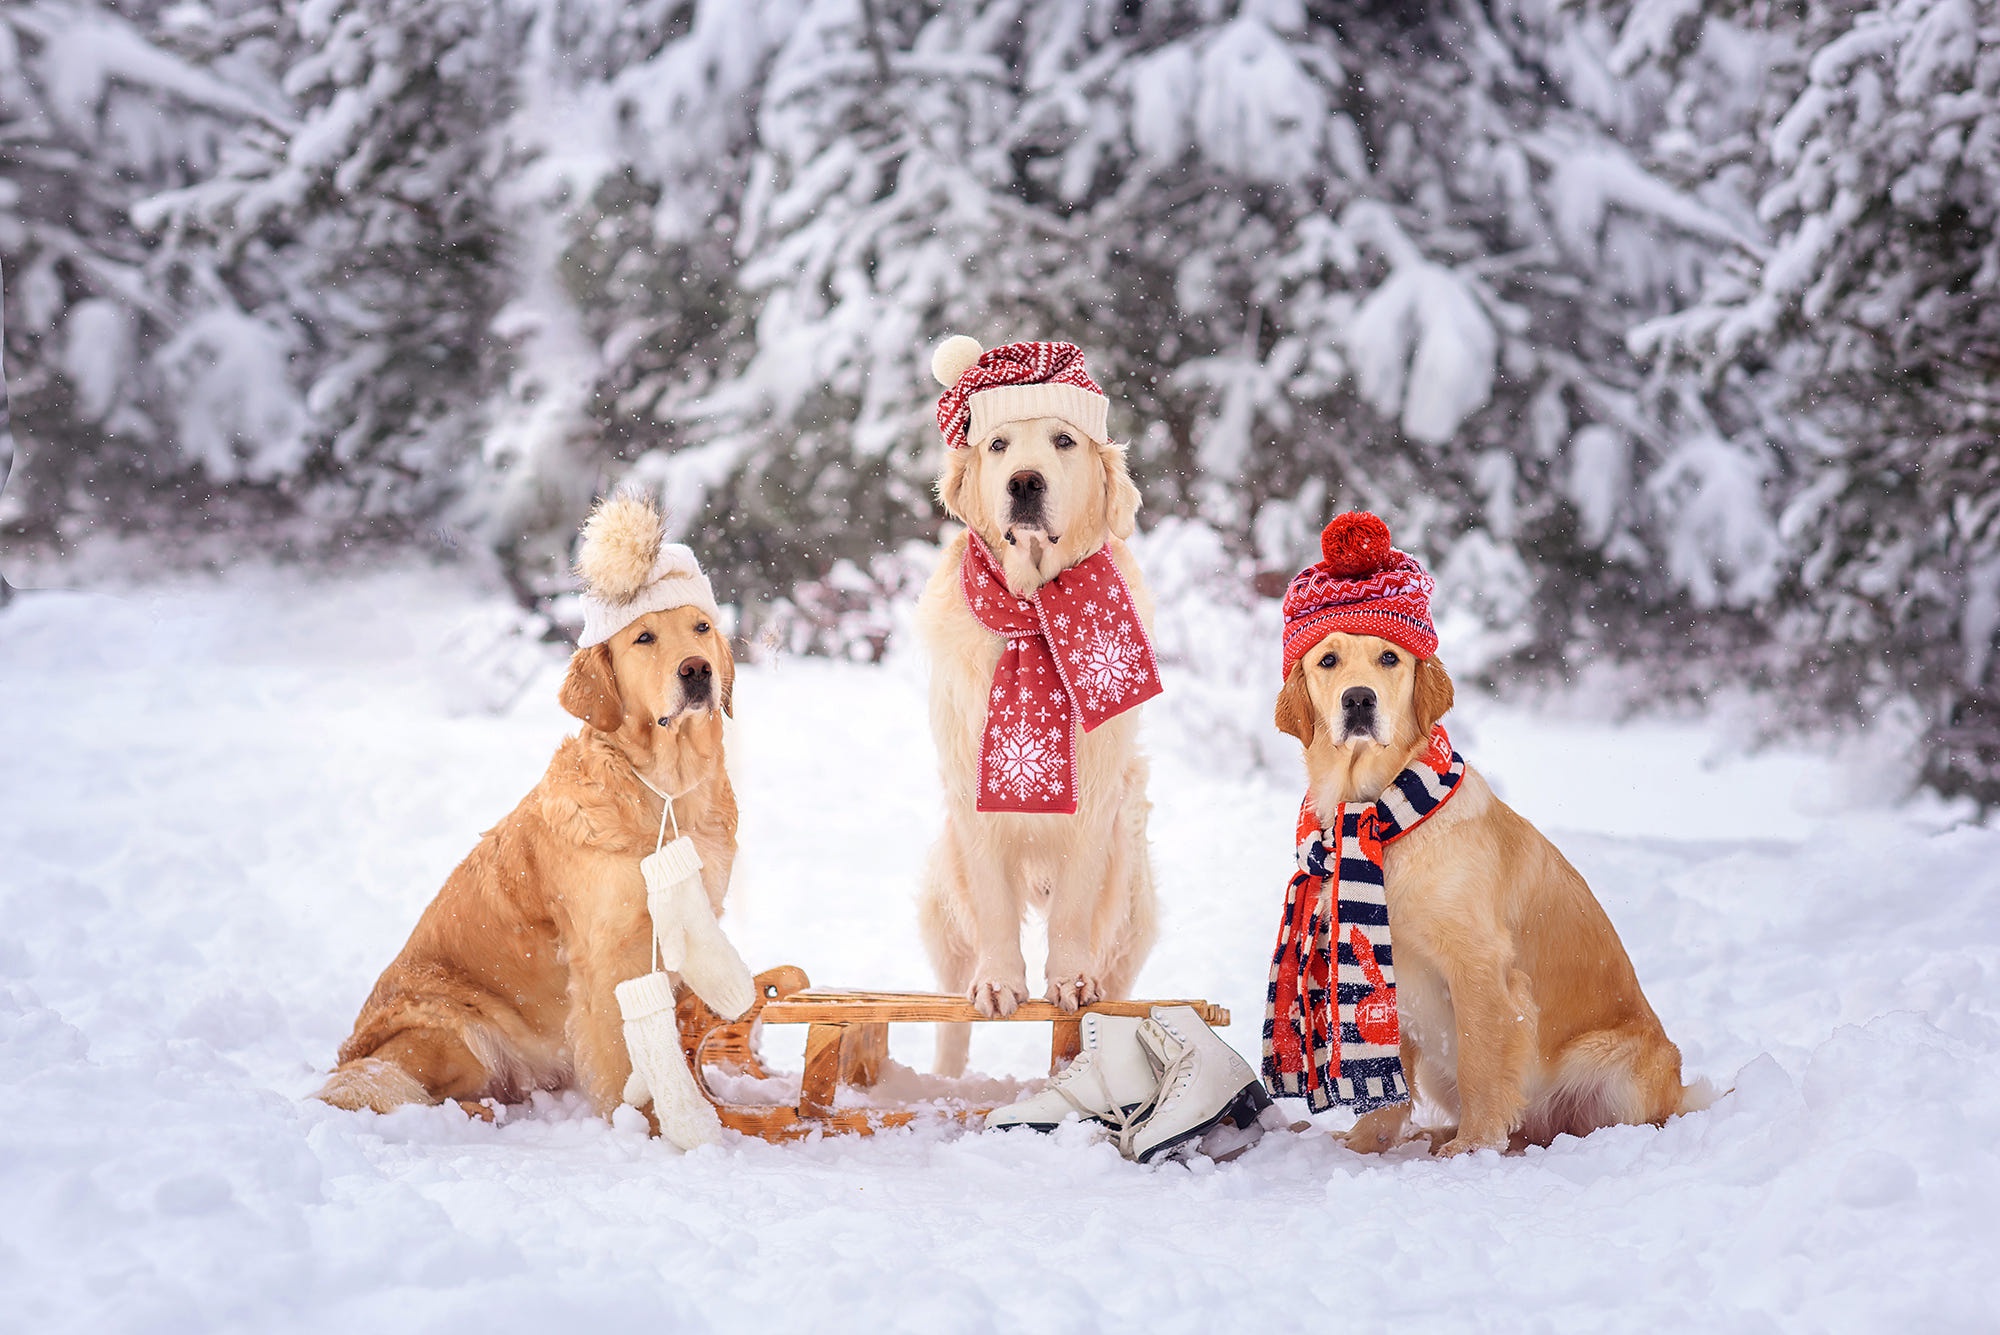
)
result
[(1027, 500), (1357, 714), (697, 678)]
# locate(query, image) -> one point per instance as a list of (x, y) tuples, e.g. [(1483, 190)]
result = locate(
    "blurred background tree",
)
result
[(1664, 328)]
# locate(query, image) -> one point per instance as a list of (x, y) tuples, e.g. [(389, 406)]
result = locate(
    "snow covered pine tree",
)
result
[(1657, 325), (1866, 338), (146, 377)]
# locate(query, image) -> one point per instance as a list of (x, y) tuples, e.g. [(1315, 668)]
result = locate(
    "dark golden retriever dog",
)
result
[(505, 986), (1521, 1015)]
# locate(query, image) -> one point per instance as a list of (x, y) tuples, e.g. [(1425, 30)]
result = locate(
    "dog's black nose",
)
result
[(695, 675), (1026, 486), (1357, 699)]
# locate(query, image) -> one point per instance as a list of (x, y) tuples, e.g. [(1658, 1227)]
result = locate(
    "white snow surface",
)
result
[(223, 804)]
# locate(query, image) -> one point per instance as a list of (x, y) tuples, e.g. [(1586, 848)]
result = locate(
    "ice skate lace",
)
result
[(1124, 1125), (1173, 1079)]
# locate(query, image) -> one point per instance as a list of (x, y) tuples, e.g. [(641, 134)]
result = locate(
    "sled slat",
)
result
[(817, 1007), (821, 1078)]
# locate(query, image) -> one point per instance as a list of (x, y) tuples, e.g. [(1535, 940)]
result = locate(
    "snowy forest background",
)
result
[(1668, 331)]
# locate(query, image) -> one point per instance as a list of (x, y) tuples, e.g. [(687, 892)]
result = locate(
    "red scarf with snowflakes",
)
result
[(1331, 1034), (1076, 653)]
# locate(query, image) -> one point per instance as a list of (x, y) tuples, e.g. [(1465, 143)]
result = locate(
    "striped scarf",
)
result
[(1351, 927)]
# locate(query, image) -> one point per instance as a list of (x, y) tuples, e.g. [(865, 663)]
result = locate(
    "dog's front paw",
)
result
[(1466, 1145), (997, 1000), (1075, 993), (1380, 1130)]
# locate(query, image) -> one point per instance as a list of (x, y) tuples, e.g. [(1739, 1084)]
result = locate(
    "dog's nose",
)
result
[(696, 671), (1356, 699), (1026, 485)]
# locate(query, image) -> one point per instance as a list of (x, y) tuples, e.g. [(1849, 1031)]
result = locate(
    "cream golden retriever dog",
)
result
[(1044, 495), (1521, 1016), (505, 985)]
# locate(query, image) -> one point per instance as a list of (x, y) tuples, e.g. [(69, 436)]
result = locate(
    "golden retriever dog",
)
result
[(1521, 1016), (1044, 496), (505, 986)]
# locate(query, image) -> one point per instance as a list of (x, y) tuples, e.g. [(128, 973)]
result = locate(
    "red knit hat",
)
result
[(1362, 586), (1012, 383)]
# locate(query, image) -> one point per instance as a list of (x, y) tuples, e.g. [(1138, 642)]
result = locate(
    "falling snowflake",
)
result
[(1023, 762), (1112, 664)]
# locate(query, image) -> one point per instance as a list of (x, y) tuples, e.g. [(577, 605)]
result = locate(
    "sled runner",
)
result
[(846, 1044)]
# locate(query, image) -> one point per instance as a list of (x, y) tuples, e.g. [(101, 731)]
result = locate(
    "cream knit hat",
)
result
[(628, 570)]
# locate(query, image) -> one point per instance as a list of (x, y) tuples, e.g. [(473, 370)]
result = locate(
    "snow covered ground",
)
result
[(222, 805)]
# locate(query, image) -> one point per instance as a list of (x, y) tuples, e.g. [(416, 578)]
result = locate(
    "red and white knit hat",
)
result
[(1013, 383), (1362, 586)]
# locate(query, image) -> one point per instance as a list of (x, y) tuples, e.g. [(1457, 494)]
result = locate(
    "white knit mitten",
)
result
[(659, 1068), (666, 870), (690, 940)]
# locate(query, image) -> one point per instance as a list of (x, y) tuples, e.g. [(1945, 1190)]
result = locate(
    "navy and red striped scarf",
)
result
[(1340, 1043)]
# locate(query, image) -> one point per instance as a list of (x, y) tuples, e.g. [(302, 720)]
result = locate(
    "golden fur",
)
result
[(505, 985), (1521, 1015), (1090, 872)]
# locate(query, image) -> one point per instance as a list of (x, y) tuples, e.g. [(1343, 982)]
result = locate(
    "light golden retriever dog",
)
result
[(505, 986), (1521, 1016), (1044, 496)]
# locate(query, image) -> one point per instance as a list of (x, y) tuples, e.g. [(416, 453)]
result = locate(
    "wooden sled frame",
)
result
[(847, 1042)]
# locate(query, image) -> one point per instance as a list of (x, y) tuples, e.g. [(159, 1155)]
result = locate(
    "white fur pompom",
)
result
[(621, 541), (953, 358)]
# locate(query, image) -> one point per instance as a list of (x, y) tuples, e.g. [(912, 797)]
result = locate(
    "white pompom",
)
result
[(953, 358)]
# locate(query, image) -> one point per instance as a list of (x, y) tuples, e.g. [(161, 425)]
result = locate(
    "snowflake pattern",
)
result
[(1025, 762), (1109, 667)]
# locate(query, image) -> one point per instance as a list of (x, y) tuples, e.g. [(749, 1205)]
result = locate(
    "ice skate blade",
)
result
[(1243, 1113)]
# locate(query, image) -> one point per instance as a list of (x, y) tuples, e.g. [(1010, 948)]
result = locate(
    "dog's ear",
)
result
[(590, 691), (952, 482), (1294, 713), (1121, 497), (1433, 694)]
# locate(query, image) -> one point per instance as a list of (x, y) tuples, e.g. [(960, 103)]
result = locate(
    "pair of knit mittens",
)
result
[(688, 941)]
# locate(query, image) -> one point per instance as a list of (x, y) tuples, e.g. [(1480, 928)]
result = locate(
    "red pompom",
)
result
[(1356, 545)]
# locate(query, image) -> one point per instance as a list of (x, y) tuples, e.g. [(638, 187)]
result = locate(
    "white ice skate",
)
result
[(1202, 1083), (1111, 1081)]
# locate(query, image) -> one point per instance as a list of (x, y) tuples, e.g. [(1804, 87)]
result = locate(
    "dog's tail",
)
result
[(1699, 1095)]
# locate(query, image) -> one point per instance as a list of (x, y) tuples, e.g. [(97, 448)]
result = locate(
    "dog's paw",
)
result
[(997, 1000), (1378, 1131), (1075, 993), (1465, 1145)]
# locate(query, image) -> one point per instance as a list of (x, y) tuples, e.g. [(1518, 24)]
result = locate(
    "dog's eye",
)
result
[(1063, 441), (645, 637), (999, 444), (1388, 658), (1329, 660), (701, 628)]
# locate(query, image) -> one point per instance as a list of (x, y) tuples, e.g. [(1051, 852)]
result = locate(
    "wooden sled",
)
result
[(846, 1044)]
